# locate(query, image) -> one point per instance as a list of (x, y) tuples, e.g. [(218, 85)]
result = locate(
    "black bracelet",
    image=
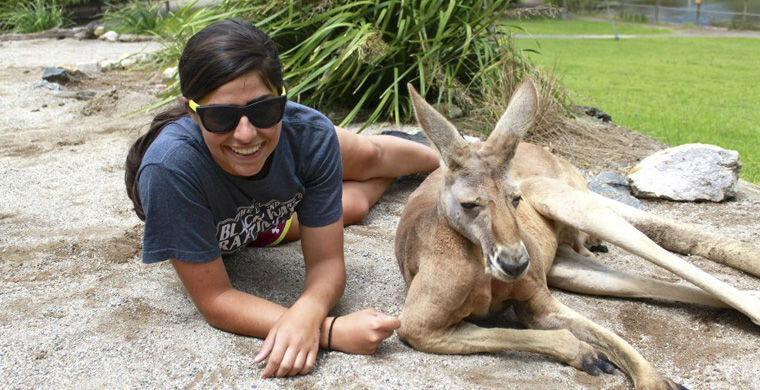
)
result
[(329, 334)]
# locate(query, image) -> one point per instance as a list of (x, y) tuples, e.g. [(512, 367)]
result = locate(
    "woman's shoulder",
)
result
[(178, 142), (304, 118)]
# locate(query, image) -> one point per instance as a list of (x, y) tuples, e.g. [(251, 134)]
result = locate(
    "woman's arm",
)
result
[(235, 311), (223, 306), (294, 340)]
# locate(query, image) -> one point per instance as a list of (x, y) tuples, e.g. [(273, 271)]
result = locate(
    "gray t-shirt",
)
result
[(195, 211)]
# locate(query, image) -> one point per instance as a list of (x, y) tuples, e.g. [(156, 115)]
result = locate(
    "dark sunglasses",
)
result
[(223, 118)]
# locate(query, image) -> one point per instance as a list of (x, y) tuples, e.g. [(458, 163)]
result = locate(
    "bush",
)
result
[(32, 16), (359, 54), (138, 17)]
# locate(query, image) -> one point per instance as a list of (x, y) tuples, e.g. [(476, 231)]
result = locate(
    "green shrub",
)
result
[(32, 16), (359, 54), (138, 17)]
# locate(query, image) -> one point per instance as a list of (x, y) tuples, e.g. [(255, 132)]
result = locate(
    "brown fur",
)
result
[(466, 251)]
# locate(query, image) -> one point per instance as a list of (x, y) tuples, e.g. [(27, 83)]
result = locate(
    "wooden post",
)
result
[(699, 4), (744, 15), (612, 19), (657, 12)]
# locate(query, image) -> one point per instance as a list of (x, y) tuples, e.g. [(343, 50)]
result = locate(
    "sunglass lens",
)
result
[(266, 114), (220, 119)]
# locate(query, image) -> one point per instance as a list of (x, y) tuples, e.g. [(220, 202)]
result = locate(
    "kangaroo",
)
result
[(501, 220)]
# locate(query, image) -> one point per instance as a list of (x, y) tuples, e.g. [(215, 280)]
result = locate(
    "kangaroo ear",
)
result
[(451, 146), (518, 118)]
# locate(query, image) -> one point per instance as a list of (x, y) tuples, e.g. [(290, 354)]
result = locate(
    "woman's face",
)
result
[(244, 150)]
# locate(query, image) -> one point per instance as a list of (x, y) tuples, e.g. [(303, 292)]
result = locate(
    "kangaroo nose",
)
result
[(514, 267)]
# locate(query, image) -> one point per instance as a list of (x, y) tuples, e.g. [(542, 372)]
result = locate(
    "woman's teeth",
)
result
[(247, 151)]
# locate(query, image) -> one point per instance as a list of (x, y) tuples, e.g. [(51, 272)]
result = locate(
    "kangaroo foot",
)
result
[(592, 361)]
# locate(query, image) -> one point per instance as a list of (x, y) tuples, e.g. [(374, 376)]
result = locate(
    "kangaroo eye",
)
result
[(468, 205), (516, 200)]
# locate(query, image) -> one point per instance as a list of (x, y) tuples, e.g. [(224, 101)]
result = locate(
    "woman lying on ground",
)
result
[(239, 165)]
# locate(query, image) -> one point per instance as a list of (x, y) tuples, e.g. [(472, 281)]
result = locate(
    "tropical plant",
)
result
[(138, 17), (360, 54), (32, 16)]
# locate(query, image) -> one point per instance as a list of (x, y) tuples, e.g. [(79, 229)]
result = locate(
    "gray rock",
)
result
[(450, 110), (56, 74), (48, 85), (88, 68), (128, 38), (168, 73), (687, 173), (614, 186), (110, 36)]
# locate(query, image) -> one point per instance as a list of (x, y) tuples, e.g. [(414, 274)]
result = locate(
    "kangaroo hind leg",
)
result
[(573, 272), (548, 313), (558, 201), (688, 239)]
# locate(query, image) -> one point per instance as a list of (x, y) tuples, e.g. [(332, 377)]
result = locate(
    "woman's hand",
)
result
[(292, 343), (362, 331)]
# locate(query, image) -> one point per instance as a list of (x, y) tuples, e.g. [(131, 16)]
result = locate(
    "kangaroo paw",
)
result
[(592, 361)]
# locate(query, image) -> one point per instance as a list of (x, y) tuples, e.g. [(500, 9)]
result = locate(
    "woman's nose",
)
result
[(245, 131)]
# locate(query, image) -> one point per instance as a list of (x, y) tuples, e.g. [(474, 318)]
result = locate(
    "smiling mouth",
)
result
[(246, 151)]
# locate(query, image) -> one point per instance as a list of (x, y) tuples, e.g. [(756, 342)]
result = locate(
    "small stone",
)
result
[(55, 74), (88, 67), (47, 84), (127, 62), (44, 106), (99, 31), (614, 186), (168, 73), (451, 111), (109, 65), (128, 38), (110, 36)]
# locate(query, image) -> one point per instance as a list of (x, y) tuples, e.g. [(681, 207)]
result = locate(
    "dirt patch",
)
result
[(103, 104), (79, 309)]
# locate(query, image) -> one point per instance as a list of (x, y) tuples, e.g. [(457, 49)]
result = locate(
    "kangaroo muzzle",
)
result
[(508, 263)]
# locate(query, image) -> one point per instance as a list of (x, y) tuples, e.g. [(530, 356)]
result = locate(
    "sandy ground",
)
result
[(78, 309)]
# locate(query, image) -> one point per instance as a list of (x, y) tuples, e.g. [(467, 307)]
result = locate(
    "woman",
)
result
[(237, 165)]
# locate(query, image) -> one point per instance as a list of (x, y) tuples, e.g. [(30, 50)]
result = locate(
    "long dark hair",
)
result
[(219, 53)]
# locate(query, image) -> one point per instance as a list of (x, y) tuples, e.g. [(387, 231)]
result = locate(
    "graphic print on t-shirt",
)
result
[(249, 221)]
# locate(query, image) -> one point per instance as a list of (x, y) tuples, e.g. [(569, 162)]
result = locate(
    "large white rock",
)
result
[(687, 173)]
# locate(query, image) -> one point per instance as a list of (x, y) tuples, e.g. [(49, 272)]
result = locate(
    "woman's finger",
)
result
[(386, 322), (275, 359), (311, 359), (299, 363), (288, 359), (266, 347)]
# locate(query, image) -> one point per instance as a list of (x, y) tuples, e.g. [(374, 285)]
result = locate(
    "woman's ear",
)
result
[(185, 101), (193, 115)]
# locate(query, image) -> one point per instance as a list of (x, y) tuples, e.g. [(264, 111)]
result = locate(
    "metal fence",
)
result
[(690, 12)]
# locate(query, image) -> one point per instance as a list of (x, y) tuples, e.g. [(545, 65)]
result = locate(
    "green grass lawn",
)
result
[(678, 90), (578, 27)]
